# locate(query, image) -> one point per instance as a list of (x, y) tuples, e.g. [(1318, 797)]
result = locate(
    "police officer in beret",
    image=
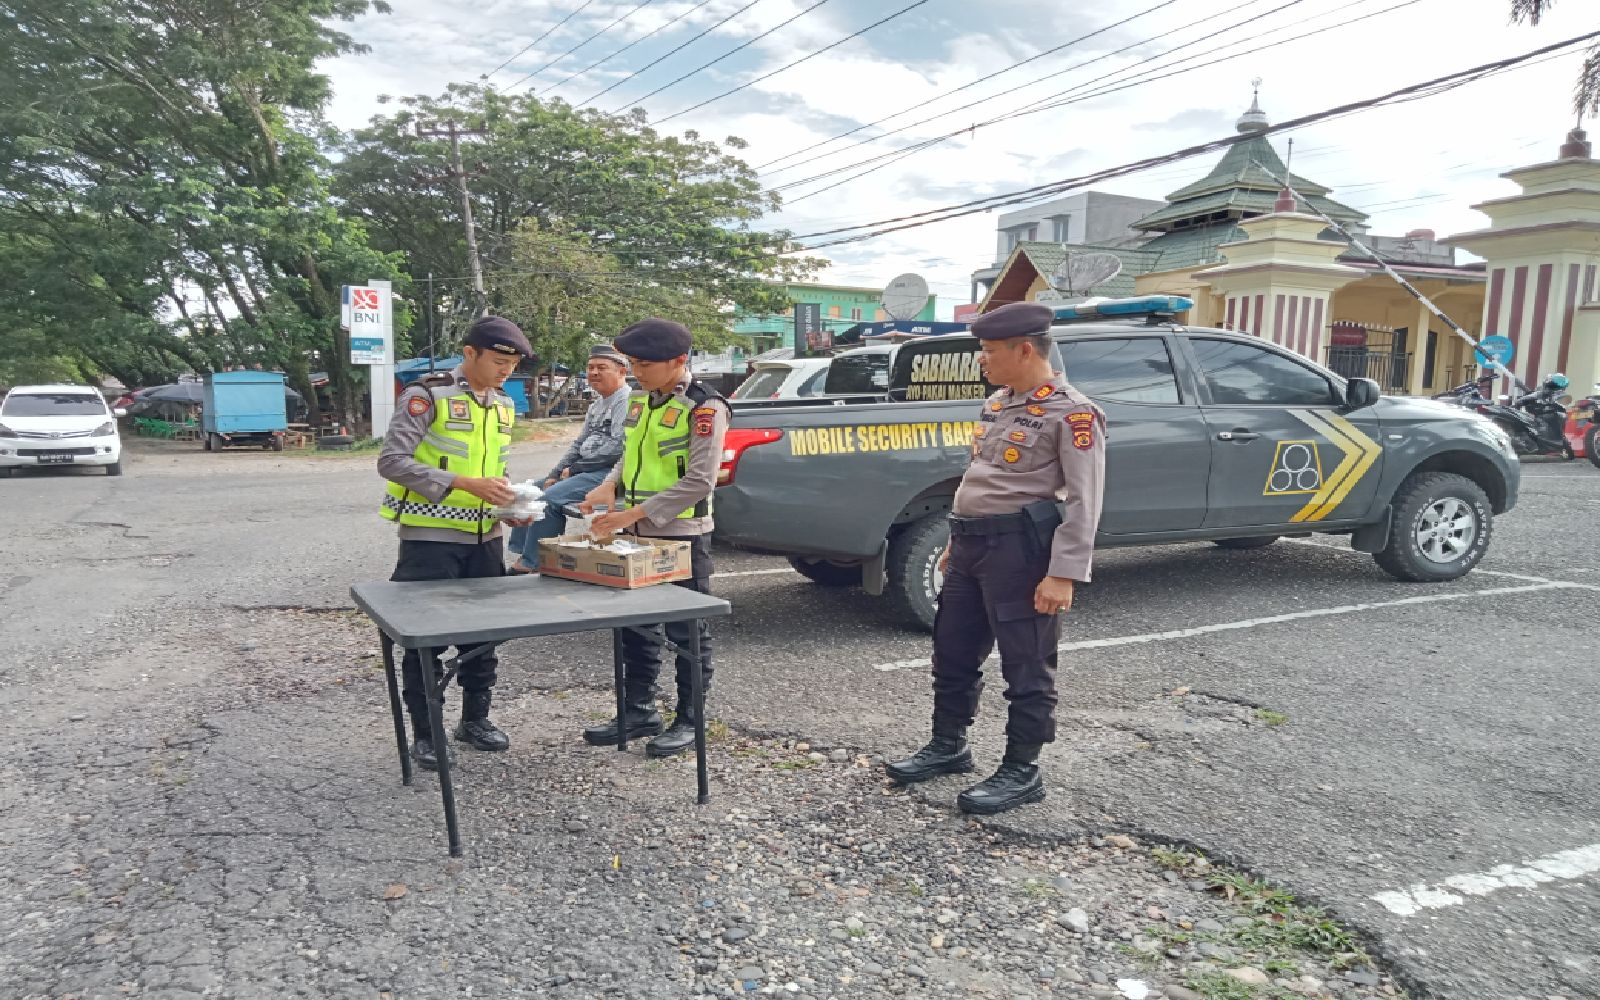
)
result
[(1015, 552), (673, 445), (445, 459)]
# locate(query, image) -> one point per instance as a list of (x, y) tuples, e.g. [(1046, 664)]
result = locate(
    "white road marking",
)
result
[(1576, 863), (1292, 616), (1479, 572), (752, 572)]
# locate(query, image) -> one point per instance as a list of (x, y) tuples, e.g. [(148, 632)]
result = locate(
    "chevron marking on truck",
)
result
[(1360, 454)]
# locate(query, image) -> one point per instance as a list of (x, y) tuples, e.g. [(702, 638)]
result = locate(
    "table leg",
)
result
[(441, 745), (396, 709), (697, 684), (617, 671)]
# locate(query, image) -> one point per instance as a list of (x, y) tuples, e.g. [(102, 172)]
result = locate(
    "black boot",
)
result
[(680, 737), (424, 753), (946, 753), (641, 717), (1016, 783), (476, 728)]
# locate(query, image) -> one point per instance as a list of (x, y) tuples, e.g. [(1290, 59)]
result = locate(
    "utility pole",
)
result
[(459, 174)]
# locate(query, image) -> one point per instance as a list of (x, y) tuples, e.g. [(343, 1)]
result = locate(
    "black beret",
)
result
[(655, 340), (498, 334), (1014, 319), (605, 352)]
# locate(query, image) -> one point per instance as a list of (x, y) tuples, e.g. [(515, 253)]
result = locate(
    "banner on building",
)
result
[(809, 336)]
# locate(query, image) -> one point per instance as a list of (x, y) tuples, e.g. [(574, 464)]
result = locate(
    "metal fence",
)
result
[(1386, 368)]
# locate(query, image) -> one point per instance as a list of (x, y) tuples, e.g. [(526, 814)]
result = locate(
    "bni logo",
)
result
[(364, 299)]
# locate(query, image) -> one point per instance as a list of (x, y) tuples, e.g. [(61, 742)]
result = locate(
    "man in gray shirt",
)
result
[(596, 451)]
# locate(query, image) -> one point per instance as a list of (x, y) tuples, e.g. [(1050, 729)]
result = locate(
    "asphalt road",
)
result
[(1433, 776)]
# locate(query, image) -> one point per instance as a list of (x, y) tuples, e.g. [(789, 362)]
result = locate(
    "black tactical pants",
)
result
[(449, 561), (641, 644), (987, 599)]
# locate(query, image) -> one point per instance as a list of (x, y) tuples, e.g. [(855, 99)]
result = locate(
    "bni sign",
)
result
[(364, 311)]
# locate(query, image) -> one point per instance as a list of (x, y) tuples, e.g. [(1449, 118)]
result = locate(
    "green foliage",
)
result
[(629, 220), (162, 208), (1586, 94)]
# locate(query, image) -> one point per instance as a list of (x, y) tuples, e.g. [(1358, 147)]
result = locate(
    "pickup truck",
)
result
[(1211, 435)]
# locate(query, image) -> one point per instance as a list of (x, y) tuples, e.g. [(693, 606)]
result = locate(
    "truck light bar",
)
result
[(1141, 305)]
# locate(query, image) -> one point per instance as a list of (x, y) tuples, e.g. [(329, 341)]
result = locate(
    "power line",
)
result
[(1109, 87), (732, 51), (536, 41), (811, 55), (811, 150), (669, 54), (581, 44), (1428, 88), (636, 41), (1050, 76)]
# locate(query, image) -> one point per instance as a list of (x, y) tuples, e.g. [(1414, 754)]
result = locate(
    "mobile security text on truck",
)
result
[(1212, 435)]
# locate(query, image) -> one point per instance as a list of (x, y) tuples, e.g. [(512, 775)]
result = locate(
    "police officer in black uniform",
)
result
[(446, 425), (1013, 557)]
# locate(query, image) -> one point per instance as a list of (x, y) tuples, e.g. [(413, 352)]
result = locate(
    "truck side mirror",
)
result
[(1361, 393)]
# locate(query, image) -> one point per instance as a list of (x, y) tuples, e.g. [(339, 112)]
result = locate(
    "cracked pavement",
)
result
[(203, 800)]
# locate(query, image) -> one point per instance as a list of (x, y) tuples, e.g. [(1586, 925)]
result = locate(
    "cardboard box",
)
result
[(667, 560)]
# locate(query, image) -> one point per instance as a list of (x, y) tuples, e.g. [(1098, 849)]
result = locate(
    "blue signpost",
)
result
[(1495, 350)]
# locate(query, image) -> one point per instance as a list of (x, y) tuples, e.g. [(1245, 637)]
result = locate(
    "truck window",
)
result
[(763, 384), (858, 373), (813, 385), (1135, 370), (1244, 373)]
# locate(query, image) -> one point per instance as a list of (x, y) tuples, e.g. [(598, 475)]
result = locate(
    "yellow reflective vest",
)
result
[(655, 452), (466, 438)]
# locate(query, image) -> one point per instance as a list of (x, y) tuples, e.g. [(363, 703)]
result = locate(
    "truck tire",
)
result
[(217, 442), (114, 469), (276, 444), (1591, 440), (1441, 529), (913, 569), (205, 441), (827, 572), (1259, 542)]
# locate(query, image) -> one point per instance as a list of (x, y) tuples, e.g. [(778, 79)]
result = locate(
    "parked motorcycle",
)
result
[(1582, 429), (1536, 422)]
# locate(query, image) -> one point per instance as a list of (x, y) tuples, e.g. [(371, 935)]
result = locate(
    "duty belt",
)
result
[(994, 524)]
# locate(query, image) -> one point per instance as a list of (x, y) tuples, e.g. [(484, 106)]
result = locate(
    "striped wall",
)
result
[(1534, 305), (1297, 322)]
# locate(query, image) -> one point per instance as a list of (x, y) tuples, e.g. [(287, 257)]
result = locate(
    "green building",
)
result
[(843, 306)]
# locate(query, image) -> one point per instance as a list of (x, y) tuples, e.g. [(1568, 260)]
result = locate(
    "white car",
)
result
[(58, 425), (784, 379)]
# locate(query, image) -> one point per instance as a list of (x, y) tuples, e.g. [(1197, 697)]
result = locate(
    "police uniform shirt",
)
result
[(709, 424), (397, 461), (1041, 445)]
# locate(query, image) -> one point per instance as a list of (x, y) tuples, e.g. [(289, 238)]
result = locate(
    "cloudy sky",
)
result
[(1415, 165)]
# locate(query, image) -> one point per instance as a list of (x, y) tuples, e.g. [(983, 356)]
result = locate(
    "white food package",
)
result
[(529, 502)]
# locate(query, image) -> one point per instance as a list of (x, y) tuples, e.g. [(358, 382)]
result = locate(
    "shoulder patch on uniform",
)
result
[(1044, 392), (417, 406), (705, 420), (1081, 422), (997, 406), (1036, 409)]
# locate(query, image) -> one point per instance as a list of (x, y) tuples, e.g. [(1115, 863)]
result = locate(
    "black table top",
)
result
[(494, 609)]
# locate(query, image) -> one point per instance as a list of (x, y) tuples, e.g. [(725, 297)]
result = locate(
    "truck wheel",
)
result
[(1441, 529), (1259, 542), (1591, 440), (217, 443), (114, 469), (827, 572), (276, 444), (205, 441), (913, 569)]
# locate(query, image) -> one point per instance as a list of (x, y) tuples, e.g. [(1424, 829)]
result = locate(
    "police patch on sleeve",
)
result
[(705, 420), (1081, 423), (416, 406)]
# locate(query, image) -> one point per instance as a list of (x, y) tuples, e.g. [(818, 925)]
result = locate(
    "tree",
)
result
[(674, 215), (1586, 95), (163, 201)]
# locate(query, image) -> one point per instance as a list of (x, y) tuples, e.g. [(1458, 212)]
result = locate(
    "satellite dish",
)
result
[(1081, 272), (905, 297)]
